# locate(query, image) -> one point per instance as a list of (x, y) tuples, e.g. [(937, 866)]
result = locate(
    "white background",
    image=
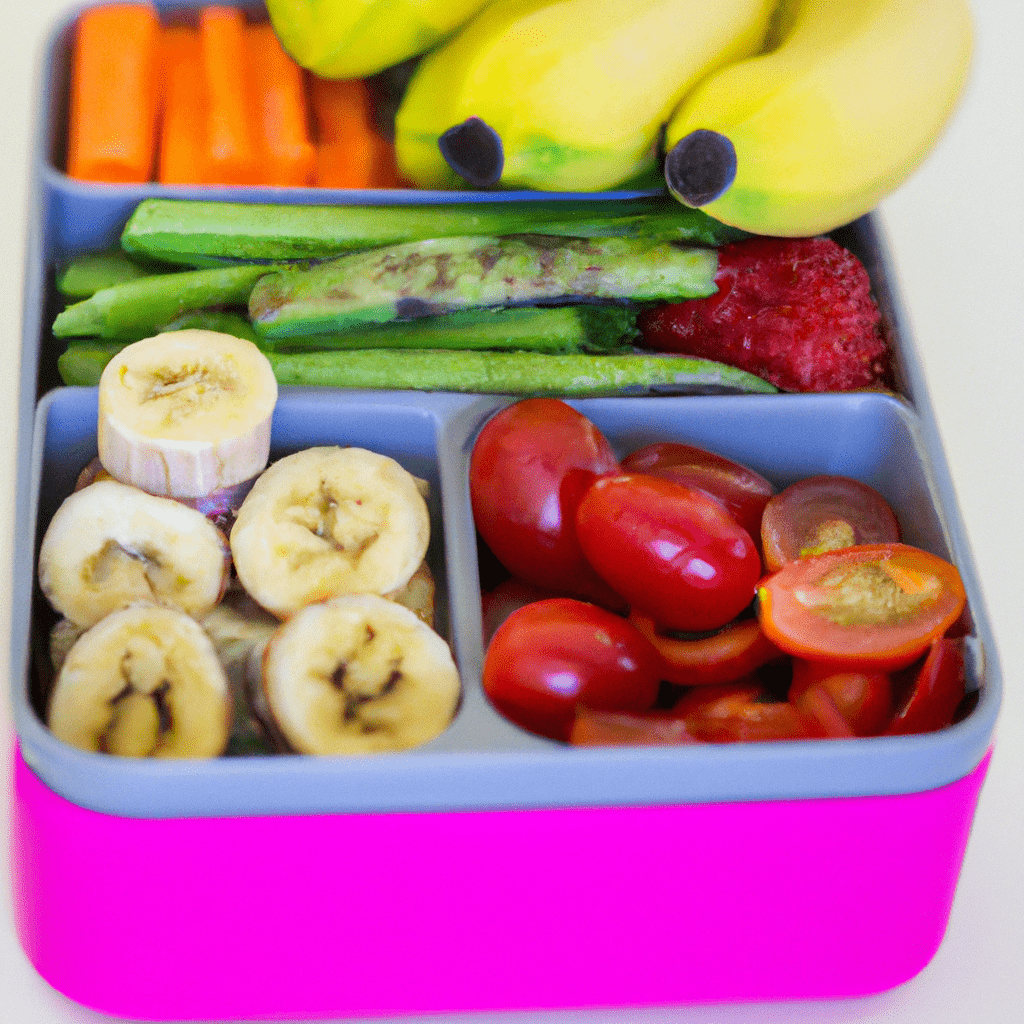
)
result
[(956, 230)]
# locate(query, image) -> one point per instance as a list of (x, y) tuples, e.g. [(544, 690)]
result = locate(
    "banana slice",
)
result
[(143, 682), (64, 635), (240, 630), (359, 674), (329, 521), (186, 413), (418, 594), (110, 544)]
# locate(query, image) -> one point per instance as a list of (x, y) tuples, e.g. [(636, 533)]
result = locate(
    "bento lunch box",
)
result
[(489, 869)]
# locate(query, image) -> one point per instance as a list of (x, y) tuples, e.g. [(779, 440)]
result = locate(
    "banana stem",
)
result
[(474, 151), (700, 167)]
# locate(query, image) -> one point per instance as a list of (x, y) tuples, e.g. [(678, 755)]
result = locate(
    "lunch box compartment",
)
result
[(456, 876), (489, 869)]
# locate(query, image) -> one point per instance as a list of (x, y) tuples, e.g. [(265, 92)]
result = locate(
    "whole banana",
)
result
[(352, 38), (574, 93), (815, 132)]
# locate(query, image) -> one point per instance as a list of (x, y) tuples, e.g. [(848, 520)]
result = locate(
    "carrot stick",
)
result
[(350, 152), (183, 155), (114, 94), (232, 136), (290, 158)]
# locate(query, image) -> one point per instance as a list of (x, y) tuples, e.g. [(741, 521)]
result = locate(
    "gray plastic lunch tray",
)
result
[(482, 761)]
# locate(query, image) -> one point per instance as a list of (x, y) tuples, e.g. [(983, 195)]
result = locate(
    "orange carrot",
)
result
[(290, 158), (231, 127), (183, 155), (350, 151), (114, 94)]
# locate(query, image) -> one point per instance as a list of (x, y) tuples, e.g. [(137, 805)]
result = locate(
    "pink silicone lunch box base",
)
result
[(391, 914)]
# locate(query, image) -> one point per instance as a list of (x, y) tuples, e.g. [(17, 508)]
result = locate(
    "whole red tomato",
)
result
[(671, 551), (531, 464), (743, 492), (549, 658)]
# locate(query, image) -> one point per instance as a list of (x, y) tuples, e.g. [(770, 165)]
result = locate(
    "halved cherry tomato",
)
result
[(824, 513), (531, 464), (937, 691), (593, 728), (728, 654), (742, 711), (548, 658), (863, 700), (669, 550), (877, 605), (743, 492)]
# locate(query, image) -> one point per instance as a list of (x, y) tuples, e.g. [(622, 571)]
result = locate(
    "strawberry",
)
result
[(797, 312)]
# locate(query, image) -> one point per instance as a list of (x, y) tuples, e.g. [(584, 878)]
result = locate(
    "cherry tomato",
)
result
[(743, 492), (742, 711), (628, 729), (824, 513), (875, 605), (550, 657), (669, 550), (938, 689), (530, 466), (498, 603), (725, 655), (862, 700)]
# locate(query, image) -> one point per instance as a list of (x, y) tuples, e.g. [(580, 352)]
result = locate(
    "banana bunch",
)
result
[(569, 95), (160, 652), (353, 38), (814, 133), (788, 117)]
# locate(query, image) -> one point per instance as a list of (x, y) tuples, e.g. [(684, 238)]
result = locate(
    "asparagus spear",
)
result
[(89, 273), (134, 308), (440, 275), (532, 373), (198, 233), (586, 328), (518, 373), (82, 362)]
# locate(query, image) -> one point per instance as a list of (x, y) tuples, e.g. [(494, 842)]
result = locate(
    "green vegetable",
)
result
[(89, 273), (197, 233), (590, 328), (223, 321), (82, 362), (516, 373), (144, 306), (440, 275), (520, 373)]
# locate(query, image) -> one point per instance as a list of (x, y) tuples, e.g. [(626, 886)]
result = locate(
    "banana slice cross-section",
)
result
[(186, 413), (359, 674), (110, 544), (328, 521), (143, 682)]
